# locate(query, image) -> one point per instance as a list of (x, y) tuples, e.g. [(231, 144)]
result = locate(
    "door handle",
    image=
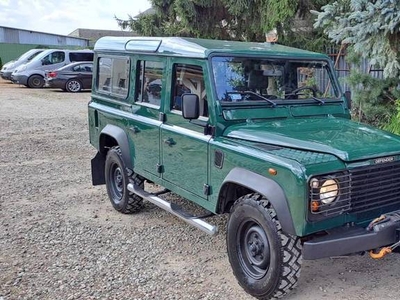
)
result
[(169, 141), (134, 129)]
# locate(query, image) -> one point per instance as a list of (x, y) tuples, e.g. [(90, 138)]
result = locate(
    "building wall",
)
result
[(94, 34), (12, 51), (14, 42)]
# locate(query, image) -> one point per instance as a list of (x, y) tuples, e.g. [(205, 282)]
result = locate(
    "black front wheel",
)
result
[(265, 260), (117, 179), (36, 81)]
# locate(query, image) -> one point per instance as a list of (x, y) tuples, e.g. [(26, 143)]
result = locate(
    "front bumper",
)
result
[(354, 239), (21, 79), (6, 75)]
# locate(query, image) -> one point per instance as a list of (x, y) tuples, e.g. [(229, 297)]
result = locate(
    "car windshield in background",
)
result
[(240, 79)]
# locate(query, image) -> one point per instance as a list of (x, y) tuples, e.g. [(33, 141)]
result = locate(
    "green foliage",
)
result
[(246, 20), (374, 99), (373, 30), (372, 27), (394, 123), (1, 63)]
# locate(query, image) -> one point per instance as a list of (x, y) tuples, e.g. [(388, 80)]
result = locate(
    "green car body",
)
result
[(284, 149)]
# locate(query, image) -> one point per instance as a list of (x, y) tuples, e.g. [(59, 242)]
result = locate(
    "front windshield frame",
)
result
[(240, 95)]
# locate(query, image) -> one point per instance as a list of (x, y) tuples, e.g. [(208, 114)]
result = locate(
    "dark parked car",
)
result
[(72, 78)]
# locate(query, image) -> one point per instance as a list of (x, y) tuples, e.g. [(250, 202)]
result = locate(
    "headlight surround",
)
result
[(329, 195)]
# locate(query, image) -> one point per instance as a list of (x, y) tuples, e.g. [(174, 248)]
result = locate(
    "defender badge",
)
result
[(383, 160)]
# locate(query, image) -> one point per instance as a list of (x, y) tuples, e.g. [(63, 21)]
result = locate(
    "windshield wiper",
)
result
[(255, 94), (319, 100)]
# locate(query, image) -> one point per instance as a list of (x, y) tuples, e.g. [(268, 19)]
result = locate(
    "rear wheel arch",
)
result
[(112, 136), (240, 182)]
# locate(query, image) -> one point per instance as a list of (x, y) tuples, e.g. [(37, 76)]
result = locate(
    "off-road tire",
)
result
[(117, 179), (36, 82), (265, 260)]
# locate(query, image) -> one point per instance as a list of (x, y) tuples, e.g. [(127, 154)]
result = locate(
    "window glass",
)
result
[(54, 58), (80, 56), (120, 76), (82, 68), (150, 82), (104, 76), (189, 79), (251, 80), (113, 76)]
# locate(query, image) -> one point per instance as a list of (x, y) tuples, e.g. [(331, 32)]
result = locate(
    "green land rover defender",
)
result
[(259, 131)]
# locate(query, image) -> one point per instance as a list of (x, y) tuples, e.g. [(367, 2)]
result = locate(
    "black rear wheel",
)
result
[(265, 260), (117, 179)]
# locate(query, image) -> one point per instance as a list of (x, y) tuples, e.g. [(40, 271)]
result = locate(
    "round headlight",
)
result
[(328, 191)]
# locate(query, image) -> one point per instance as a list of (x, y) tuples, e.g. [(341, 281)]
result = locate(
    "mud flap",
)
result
[(98, 169)]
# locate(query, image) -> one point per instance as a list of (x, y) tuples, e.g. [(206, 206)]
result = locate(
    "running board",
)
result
[(174, 209)]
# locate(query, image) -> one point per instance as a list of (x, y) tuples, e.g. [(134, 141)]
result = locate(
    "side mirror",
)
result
[(190, 106), (347, 95)]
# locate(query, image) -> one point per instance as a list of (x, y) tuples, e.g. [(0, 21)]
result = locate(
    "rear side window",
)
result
[(149, 82), (113, 76), (80, 56), (82, 68)]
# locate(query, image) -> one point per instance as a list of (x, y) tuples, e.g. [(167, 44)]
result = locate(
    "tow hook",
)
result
[(383, 251), (376, 225)]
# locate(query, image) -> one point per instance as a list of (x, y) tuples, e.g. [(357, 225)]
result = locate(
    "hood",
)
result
[(343, 138), (8, 65)]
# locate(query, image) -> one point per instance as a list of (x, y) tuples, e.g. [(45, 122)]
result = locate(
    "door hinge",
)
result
[(160, 168), (206, 189)]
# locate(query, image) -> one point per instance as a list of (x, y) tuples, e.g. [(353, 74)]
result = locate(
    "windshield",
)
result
[(271, 80), (29, 55)]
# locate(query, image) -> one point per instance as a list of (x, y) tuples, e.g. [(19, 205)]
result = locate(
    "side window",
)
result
[(120, 76), (113, 76), (189, 79), (53, 58), (149, 82), (57, 57), (87, 68), (82, 68), (104, 76), (80, 56)]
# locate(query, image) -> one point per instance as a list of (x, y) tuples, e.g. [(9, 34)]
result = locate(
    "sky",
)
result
[(63, 17)]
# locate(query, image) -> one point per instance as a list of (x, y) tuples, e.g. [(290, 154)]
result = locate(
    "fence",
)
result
[(338, 55)]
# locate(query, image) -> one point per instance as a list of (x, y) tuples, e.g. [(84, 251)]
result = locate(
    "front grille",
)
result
[(375, 187)]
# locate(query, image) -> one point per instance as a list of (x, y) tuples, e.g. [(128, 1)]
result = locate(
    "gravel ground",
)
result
[(61, 239)]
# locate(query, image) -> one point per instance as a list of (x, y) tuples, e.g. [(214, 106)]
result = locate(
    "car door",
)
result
[(144, 126), (85, 75), (184, 146)]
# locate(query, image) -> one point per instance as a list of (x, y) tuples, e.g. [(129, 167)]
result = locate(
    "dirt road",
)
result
[(61, 239)]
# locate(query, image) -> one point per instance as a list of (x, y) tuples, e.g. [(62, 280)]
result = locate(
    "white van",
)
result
[(32, 73), (10, 66)]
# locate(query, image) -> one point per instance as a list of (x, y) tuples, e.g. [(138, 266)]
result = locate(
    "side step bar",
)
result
[(174, 209)]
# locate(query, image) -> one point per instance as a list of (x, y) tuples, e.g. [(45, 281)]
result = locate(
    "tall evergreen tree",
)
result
[(246, 20), (372, 28)]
